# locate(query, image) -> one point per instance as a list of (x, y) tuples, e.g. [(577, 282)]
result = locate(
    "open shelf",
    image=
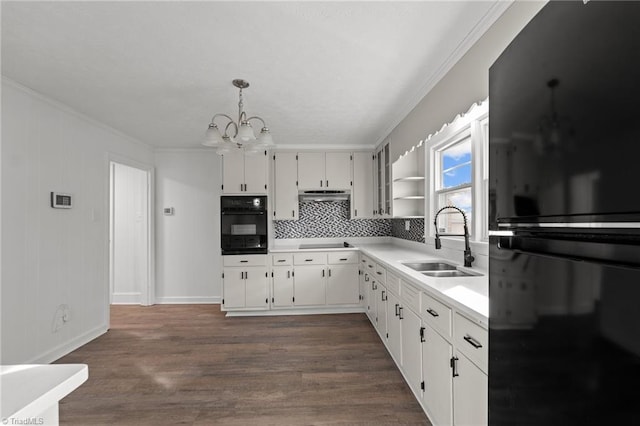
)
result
[(409, 184)]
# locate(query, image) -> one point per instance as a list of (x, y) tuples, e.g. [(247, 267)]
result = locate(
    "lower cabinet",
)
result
[(342, 284), (437, 396), (411, 348), (281, 286), (371, 299), (245, 283), (309, 285), (470, 392), (394, 336)]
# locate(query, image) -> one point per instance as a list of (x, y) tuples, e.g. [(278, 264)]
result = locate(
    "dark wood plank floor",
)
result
[(188, 364)]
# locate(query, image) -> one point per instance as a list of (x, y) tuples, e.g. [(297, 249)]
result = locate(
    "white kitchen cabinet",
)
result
[(470, 393), (244, 173), (319, 170), (437, 377), (256, 288), (281, 286), (382, 172), (234, 288), (371, 299), (394, 330), (362, 190), (411, 353), (309, 285), (342, 284), (285, 189), (245, 283), (381, 310)]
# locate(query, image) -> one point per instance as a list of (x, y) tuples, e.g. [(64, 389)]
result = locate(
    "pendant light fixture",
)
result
[(238, 134)]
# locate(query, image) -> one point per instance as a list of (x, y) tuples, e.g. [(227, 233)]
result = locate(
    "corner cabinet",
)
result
[(245, 283), (362, 191), (382, 168), (244, 173)]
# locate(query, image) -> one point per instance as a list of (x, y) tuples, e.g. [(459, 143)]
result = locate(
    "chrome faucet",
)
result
[(468, 257)]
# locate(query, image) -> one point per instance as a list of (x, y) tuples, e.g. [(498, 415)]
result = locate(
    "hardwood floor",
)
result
[(189, 365)]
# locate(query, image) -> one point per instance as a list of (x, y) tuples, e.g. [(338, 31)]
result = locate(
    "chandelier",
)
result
[(237, 134)]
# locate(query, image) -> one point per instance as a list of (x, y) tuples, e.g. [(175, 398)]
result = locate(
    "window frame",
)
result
[(474, 125)]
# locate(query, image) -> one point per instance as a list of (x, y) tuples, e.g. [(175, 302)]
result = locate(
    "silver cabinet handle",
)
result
[(246, 275), (433, 313), (308, 260), (320, 184), (329, 272), (454, 366), (244, 261), (323, 272), (343, 259), (281, 260), (327, 184), (293, 213), (288, 274)]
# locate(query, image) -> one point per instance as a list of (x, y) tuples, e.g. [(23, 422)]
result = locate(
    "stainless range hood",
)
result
[(323, 195)]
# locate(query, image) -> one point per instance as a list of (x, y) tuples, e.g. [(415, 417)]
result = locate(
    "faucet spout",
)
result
[(468, 257)]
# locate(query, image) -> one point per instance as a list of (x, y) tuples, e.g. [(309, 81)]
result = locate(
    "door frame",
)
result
[(147, 296)]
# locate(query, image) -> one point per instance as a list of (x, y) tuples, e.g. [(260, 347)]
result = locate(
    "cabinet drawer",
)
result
[(282, 259), (339, 257), (370, 266), (248, 260), (410, 296), (393, 284), (310, 258), (436, 314), (381, 274), (472, 340), (364, 260)]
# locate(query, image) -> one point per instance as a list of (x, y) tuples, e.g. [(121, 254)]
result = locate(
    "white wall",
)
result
[(130, 235), (53, 258), (467, 81), (188, 266)]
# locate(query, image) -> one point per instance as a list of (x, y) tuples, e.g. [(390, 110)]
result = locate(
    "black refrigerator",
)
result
[(564, 218)]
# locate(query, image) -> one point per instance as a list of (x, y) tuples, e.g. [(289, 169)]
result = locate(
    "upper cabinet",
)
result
[(244, 173), (362, 206), (319, 170), (409, 183), (285, 189), (382, 176)]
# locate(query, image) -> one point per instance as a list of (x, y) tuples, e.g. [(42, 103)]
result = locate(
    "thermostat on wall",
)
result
[(60, 200)]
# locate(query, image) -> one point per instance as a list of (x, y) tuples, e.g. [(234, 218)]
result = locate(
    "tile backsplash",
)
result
[(331, 220), (415, 232)]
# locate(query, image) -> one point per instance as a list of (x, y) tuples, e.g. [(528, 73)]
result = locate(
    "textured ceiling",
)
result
[(330, 73)]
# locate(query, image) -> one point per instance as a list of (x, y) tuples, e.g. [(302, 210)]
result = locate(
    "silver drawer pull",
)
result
[(281, 260), (308, 260), (433, 313), (473, 342), (244, 261), (343, 259), (378, 272)]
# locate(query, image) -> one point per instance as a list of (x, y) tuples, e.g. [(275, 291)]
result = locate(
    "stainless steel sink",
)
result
[(450, 274), (430, 266)]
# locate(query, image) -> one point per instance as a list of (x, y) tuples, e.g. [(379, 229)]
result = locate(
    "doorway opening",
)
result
[(130, 234)]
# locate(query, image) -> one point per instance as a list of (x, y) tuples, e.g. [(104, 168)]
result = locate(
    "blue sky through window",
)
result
[(456, 164)]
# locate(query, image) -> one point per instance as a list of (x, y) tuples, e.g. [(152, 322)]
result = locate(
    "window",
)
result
[(458, 163), (454, 184)]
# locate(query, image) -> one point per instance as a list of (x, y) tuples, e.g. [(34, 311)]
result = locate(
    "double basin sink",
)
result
[(439, 269)]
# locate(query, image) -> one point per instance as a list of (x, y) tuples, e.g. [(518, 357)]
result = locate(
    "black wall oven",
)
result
[(244, 224)]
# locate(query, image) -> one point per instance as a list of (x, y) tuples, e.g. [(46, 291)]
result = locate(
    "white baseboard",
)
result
[(188, 300), (299, 311), (68, 347), (126, 298)]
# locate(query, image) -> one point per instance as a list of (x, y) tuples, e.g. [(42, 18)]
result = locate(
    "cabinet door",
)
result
[(381, 296), (285, 188), (338, 170), (311, 170), (256, 288), (282, 286), (362, 190), (233, 288), (372, 301), (436, 372), (309, 285), (255, 172), (233, 172), (342, 285), (470, 394), (411, 348), (394, 333)]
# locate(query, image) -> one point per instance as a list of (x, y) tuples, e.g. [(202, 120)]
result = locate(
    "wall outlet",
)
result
[(407, 225), (60, 318)]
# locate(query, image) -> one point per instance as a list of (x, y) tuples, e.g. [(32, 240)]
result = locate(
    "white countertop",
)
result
[(29, 390), (469, 295)]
